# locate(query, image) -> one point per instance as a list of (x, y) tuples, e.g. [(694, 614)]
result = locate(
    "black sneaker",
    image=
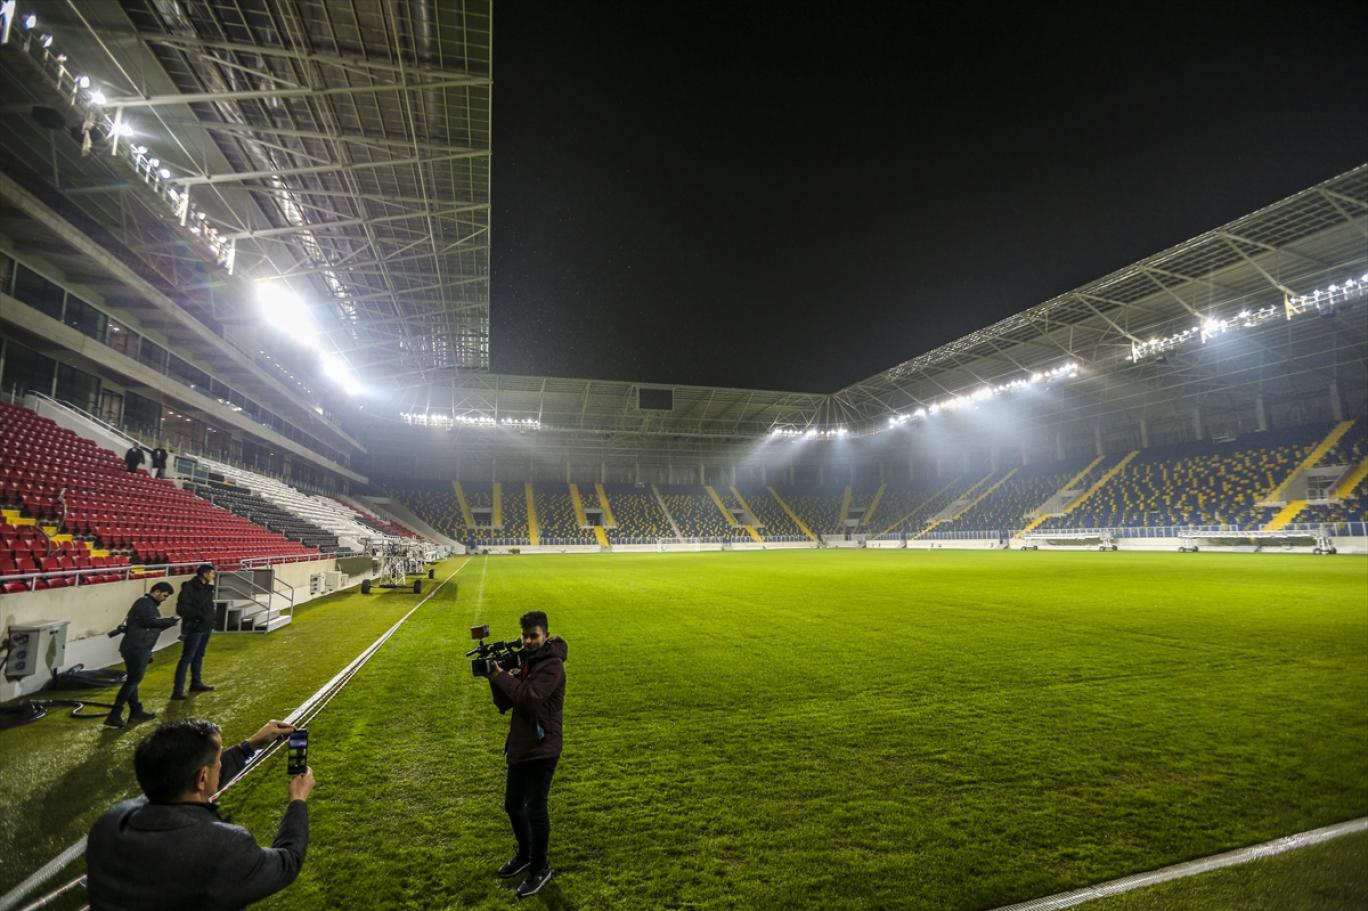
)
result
[(113, 721), (534, 882), (201, 688), (179, 696), (142, 716), (514, 866)]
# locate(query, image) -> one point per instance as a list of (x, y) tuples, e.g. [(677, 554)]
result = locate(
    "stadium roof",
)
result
[(1293, 247), (344, 146)]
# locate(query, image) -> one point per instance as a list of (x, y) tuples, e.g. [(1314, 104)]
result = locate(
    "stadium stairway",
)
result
[(963, 503), (750, 529), (496, 507), (1312, 458), (461, 500), (802, 526), (873, 505), (845, 507), (533, 532), (1350, 482), (722, 507), (1068, 485), (1100, 482), (609, 520), (578, 502), (1285, 515), (666, 509), (939, 496)]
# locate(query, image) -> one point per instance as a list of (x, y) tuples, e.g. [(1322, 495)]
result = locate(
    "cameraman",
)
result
[(141, 628), (172, 850), (536, 694)]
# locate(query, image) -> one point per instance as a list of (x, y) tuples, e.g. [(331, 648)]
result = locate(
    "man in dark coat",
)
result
[(142, 627), (171, 849), (195, 605), (159, 462), (536, 694), (133, 458)]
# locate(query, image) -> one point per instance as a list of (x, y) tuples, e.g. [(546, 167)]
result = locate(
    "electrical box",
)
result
[(335, 580), (315, 584), (36, 645)]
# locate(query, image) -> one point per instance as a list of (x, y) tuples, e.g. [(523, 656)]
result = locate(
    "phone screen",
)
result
[(299, 752)]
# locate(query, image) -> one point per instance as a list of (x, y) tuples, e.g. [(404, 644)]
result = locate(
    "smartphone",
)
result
[(299, 752)]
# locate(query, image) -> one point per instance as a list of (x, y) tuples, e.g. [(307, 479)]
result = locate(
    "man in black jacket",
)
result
[(159, 461), (171, 849), (195, 605), (142, 626), (133, 458), (536, 694)]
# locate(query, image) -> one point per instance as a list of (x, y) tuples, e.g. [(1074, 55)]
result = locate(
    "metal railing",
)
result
[(79, 578)]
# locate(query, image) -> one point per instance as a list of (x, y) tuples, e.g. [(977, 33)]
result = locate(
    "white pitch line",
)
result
[(50, 869), (1191, 867)]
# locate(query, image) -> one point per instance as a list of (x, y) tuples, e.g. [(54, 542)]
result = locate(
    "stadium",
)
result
[(1071, 609)]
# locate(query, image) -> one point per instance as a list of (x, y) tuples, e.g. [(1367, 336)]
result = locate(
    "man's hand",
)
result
[(270, 732), (301, 786)]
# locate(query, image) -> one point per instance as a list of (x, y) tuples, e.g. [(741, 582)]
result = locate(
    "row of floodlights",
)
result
[(984, 393), (430, 419), (1321, 299), (810, 433), (148, 166)]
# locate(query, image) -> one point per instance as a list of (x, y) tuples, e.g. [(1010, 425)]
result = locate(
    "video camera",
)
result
[(489, 657)]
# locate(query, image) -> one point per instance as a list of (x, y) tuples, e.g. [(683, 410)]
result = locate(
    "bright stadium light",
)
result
[(30, 21), (97, 98), (335, 370), (286, 313)]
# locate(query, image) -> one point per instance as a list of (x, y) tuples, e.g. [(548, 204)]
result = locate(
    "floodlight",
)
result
[(83, 81), (335, 370), (97, 97), (153, 162), (139, 150), (123, 129), (286, 312), (30, 21), (165, 173), (46, 40)]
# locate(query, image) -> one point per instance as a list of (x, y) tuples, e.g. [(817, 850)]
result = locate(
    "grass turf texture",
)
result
[(846, 729), (58, 774)]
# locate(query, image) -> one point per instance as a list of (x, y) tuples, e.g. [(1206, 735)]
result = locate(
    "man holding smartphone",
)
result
[(535, 692), (171, 849)]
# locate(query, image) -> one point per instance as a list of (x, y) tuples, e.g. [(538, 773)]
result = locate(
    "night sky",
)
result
[(798, 195)]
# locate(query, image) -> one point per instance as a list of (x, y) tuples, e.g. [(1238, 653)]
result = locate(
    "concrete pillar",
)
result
[(1336, 401), (1197, 423), (1097, 439), (821, 475), (1144, 431), (733, 475), (1260, 414), (1059, 445)]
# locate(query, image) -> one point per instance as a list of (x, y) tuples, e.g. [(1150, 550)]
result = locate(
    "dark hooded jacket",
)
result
[(143, 626), (536, 694), (195, 605)]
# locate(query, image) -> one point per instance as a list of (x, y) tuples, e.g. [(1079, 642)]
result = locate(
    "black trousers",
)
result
[(529, 784), (136, 665)]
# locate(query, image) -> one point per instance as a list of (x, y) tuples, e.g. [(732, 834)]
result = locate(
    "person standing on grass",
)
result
[(171, 849), (536, 694), (142, 627), (195, 605)]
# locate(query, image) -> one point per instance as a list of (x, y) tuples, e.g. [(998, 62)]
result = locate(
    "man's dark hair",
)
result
[(204, 568), (163, 587), (534, 618), (169, 759)]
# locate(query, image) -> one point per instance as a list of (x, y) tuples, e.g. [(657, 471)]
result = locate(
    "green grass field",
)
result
[(832, 729)]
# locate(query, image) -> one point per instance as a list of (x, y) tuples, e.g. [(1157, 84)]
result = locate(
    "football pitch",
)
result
[(843, 729)]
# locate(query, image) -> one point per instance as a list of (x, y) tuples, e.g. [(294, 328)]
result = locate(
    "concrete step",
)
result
[(275, 623)]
